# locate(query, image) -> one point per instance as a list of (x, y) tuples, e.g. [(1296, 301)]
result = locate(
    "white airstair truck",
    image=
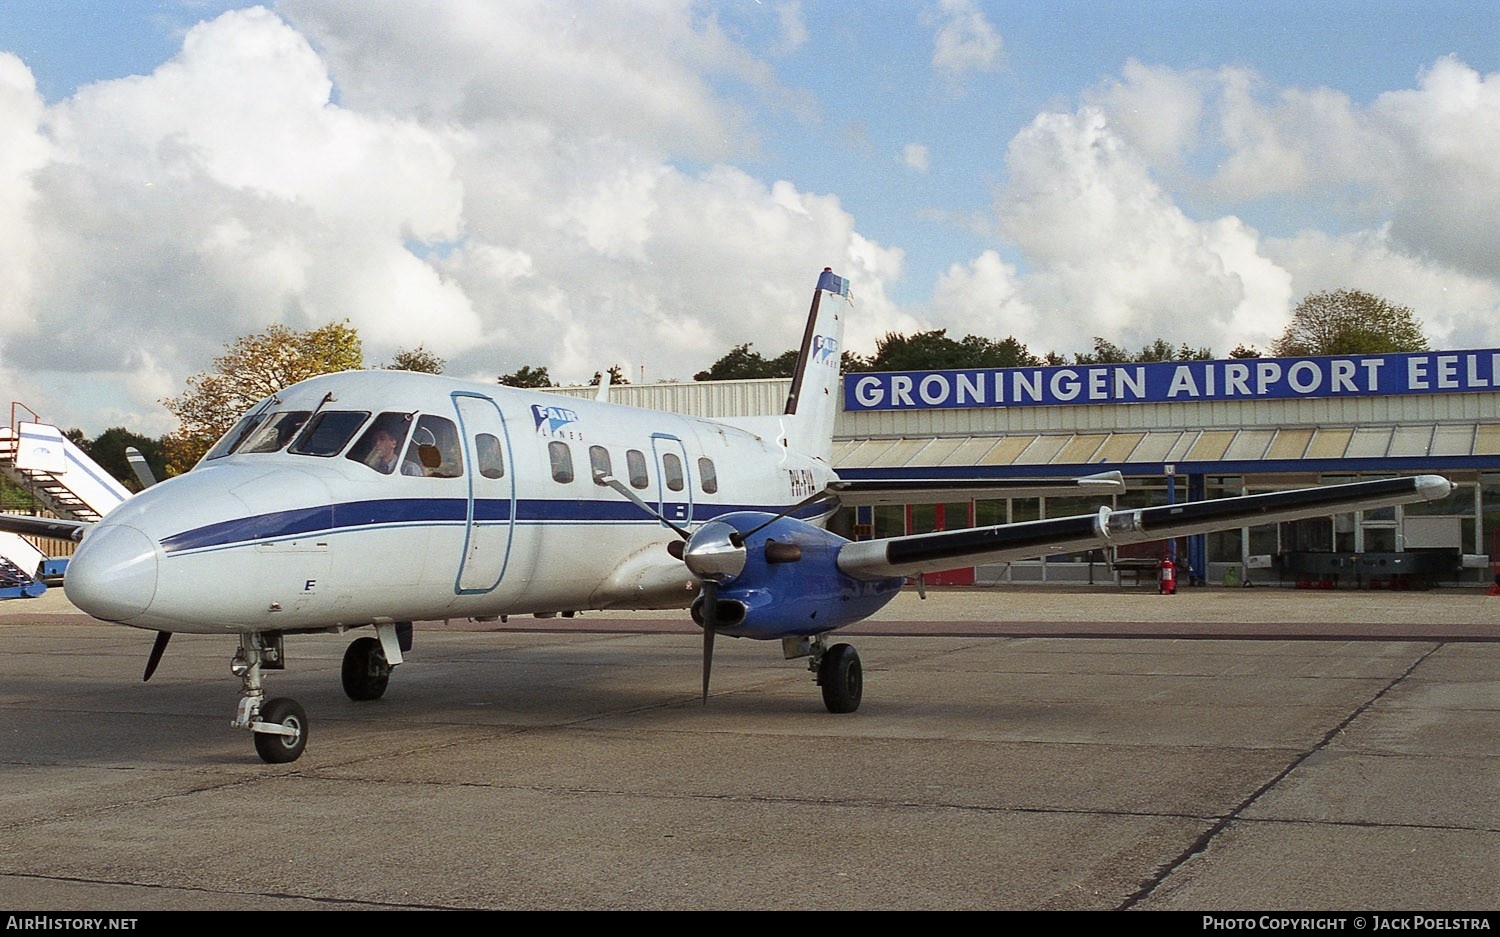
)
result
[(63, 480)]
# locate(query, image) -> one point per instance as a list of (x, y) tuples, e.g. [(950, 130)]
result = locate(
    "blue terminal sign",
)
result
[(1428, 372)]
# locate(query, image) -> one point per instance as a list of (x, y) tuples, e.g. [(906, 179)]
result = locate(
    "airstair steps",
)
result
[(39, 458)]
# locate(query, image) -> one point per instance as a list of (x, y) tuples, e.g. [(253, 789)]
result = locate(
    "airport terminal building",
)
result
[(1179, 431)]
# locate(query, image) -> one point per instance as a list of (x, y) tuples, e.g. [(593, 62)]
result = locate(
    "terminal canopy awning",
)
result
[(1217, 451)]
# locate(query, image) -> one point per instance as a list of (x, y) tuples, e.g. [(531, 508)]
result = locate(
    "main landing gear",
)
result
[(368, 662), (839, 671), (366, 671)]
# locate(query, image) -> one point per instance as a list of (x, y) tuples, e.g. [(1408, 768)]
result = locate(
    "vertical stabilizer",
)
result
[(813, 401)]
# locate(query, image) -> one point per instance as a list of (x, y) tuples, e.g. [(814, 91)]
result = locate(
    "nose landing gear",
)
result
[(280, 725)]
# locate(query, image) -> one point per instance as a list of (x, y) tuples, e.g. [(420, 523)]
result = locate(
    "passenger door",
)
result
[(674, 487), (490, 520)]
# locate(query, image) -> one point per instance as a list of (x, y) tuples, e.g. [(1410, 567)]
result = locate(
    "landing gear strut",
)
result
[(280, 725)]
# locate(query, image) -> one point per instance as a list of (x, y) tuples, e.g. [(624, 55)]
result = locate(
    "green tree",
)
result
[(108, 449), (743, 364), (1245, 351), (251, 368), (935, 351), (527, 376), (1162, 350), (1107, 352), (1349, 322), (616, 377), (416, 359)]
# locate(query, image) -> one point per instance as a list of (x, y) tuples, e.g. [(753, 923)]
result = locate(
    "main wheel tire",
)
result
[(365, 672), (281, 749), (842, 678)]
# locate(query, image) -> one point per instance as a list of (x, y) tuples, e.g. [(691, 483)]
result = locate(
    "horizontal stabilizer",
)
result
[(923, 553), (860, 492)]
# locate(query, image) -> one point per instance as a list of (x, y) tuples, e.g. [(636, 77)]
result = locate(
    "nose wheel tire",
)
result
[(365, 673), (842, 678), (278, 749)]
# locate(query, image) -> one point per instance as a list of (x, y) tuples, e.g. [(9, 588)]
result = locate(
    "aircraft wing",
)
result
[(858, 492), (924, 553), (43, 526)]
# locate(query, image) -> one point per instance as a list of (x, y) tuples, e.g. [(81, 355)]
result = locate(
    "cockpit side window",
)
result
[(275, 432), (433, 451), (327, 433), (380, 444)]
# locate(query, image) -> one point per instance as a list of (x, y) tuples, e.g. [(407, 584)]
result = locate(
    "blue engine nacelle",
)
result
[(789, 584)]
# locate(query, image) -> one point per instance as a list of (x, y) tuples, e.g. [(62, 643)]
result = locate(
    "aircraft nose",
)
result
[(113, 574)]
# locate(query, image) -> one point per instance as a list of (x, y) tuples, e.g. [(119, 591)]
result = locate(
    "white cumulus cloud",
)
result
[(963, 39), (500, 183), (1112, 255)]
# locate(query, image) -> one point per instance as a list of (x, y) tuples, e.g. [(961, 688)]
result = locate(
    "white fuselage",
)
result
[(287, 540)]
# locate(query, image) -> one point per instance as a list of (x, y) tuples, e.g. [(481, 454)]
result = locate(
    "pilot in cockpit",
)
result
[(380, 447), (382, 455)]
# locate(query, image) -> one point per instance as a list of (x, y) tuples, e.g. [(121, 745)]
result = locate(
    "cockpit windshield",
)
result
[(237, 434), (328, 432), (275, 432)]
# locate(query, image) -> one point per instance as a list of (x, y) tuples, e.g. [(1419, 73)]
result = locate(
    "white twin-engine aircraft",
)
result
[(379, 498)]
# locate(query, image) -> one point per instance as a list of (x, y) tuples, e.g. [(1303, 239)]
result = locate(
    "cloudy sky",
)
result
[(576, 184)]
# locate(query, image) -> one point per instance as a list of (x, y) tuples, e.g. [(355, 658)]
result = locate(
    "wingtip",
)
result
[(1434, 487)]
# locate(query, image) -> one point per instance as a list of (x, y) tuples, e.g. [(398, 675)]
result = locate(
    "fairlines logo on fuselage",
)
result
[(825, 350), (550, 421)]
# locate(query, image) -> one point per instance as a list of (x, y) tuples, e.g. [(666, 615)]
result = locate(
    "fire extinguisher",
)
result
[(1168, 575)]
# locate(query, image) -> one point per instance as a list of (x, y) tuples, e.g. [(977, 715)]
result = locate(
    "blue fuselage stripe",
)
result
[(390, 512)]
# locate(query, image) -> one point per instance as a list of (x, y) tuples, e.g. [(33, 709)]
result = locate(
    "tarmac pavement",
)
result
[(1253, 749)]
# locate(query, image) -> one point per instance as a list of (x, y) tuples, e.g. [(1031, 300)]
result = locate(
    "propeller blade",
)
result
[(138, 465), (157, 650), (708, 660), (823, 495), (710, 622), (635, 499)]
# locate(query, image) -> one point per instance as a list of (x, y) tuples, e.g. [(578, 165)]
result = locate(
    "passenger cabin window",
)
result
[(433, 450), (276, 431), (635, 464), (327, 433), (491, 461), (671, 467), (381, 443), (562, 462), (599, 463), (707, 478)]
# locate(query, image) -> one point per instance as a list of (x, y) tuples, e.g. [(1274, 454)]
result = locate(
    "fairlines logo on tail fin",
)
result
[(807, 424)]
